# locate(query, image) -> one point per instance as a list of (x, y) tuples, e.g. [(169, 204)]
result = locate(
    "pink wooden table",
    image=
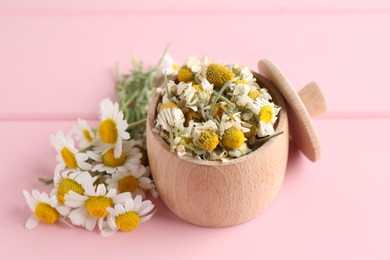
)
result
[(56, 64)]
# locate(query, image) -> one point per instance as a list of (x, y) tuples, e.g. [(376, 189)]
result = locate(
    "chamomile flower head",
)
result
[(66, 181), (218, 75), (169, 66), (90, 208), (267, 117), (112, 128), (68, 156), (127, 217), (133, 181), (107, 162), (206, 136), (83, 133), (170, 118), (185, 74), (43, 207)]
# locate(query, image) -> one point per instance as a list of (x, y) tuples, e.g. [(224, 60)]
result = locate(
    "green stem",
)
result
[(137, 123), (262, 140), (218, 95), (46, 181)]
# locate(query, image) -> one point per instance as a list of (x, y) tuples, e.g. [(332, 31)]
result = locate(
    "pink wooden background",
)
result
[(56, 64)]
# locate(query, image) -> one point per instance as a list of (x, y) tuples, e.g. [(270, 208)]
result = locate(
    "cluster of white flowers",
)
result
[(100, 180), (214, 111)]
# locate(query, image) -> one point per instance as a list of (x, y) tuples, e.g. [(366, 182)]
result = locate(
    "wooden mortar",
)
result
[(216, 194)]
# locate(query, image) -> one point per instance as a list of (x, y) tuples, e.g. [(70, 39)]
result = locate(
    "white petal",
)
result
[(137, 202), (145, 204), (73, 203), (146, 210), (90, 224), (111, 193), (100, 223), (119, 209), (78, 216), (45, 197), (118, 148), (36, 195), (107, 231), (129, 205), (74, 196), (30, 200), (111, 222), (146, 218), (31, 222), (63, 210), (122, 197), (101, 190), (83, 165), (111, 211), (89, 189)]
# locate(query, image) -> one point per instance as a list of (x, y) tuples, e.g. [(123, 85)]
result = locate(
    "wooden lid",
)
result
[(300, 107)]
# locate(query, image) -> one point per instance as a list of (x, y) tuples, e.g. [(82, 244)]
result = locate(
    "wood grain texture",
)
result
[(302, 130), (215, 194)]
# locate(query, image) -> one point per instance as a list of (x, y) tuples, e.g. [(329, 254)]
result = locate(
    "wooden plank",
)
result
[(200, 6), (62, 66), (337, 208)]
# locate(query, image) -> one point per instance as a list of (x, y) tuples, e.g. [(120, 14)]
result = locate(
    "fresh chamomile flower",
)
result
[(127, 217), (43, 207), (68, 156), (107, 162), (169, 66), (133, 181), (83, 133), (112, 128), (66, 181), (90, 208), (170, 118)]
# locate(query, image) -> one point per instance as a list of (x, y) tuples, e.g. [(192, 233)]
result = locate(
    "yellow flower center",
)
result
[(233, 138), (185, 74), (253, 94), (169, 104), (109, 159), (87, 135), (175, 67), (69, 158), (218, 75), (192, 115), (96, 206), (67, 185), (128, 221), (46, 213), (208, 140), (128, 183), (266, 114), (108, 132)]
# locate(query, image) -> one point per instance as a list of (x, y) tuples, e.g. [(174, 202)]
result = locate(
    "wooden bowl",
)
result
[(216, 194)]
